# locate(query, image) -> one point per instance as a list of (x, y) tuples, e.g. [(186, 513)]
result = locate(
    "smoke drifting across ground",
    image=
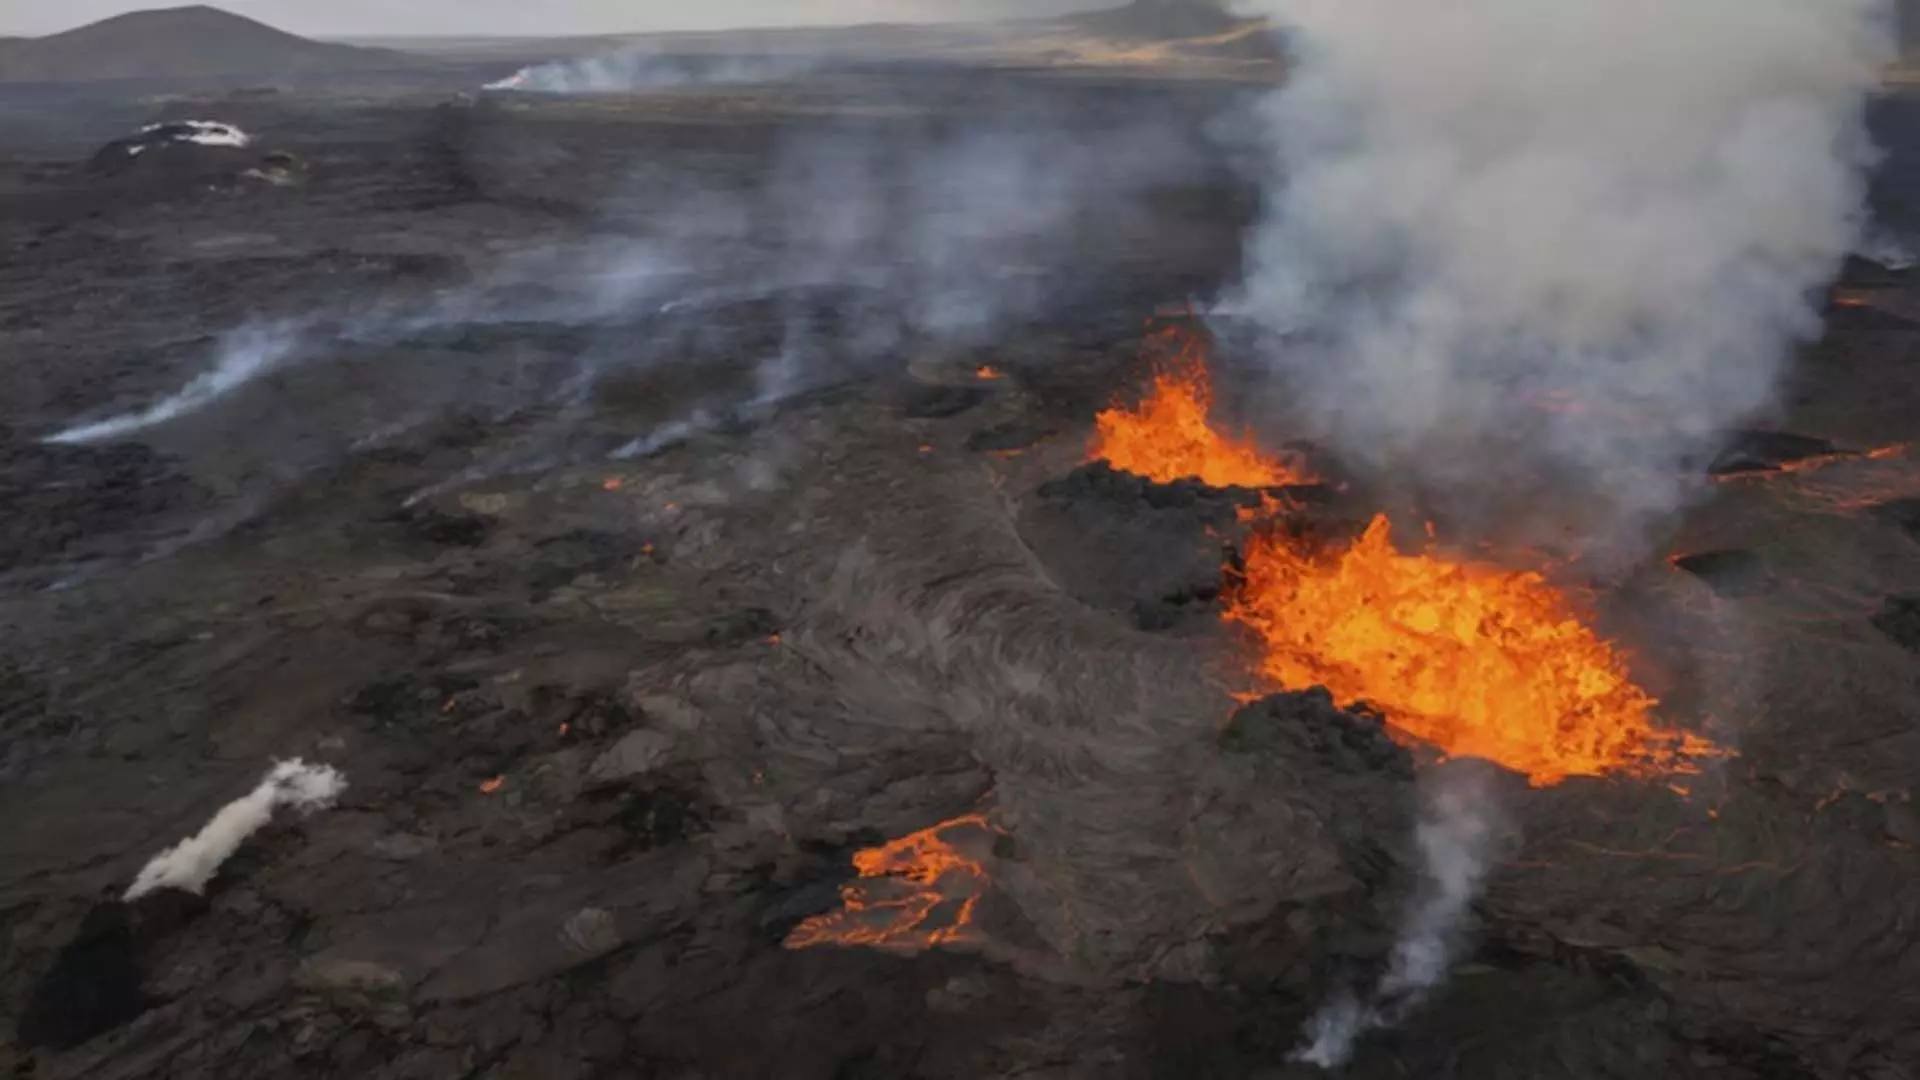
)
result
[(851, 243), (1620, 207), (651, 68), (192, 863)]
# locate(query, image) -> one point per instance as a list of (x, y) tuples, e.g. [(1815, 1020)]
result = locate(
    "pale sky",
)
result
[(457, 18)]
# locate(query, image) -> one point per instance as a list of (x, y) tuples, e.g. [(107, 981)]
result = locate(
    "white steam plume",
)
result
[(245, 355), (191, 863), (651, 68), (1455, 837), (1624, 203)]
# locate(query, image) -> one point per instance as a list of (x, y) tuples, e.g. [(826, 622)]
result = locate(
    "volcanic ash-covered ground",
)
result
[(409, 704)]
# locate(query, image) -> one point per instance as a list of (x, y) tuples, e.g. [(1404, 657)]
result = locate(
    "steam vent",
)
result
[(1179, 540)]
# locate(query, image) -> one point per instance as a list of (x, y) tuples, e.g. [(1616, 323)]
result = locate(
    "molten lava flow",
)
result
[(1477, 660), (1167, 436), (913, 893)]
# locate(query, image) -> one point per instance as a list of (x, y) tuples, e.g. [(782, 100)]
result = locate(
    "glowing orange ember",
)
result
[(1475, 659), (612, 483), (912, 894), (493, 785), (988, 373), (1169, 437)]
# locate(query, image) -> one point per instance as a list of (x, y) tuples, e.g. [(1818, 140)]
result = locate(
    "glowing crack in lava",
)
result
[(912, 894), (1477, 660), (1168, 435), (1474, 659)]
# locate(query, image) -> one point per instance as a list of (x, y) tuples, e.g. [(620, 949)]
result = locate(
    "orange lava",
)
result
[(493, 785), (1472, 658), (988, 373), (912, 894), (1475, 659), (1168, 435)]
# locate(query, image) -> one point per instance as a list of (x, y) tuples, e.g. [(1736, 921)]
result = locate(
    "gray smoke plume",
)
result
[(193, 862), (1456, 837), (1621, 208)]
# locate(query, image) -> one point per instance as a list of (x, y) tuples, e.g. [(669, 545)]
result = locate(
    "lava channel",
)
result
[(1473, 659), (912, 894)]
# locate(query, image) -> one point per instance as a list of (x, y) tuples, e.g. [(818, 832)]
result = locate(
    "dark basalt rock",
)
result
[(1728, 573)]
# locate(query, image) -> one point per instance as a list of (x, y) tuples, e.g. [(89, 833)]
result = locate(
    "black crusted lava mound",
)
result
[(1121, 542), (180, 155)]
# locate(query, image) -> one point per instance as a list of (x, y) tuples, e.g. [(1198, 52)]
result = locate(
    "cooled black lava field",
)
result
[(649, 502)]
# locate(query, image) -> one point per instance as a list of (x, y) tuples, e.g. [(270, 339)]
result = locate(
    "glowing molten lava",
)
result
[(1168, 437), (1477, 660), (1474, 659), (912, 894)]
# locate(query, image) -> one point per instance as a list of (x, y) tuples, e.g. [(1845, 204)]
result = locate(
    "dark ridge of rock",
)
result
[(95, 982), (1767, 451), (1154, 551), (1899, 619), (1730, 574), (1347, 742)]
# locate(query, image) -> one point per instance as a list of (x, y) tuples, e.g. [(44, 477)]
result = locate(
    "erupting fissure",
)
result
[(1170, 436), (912, 894), (1474, 659)]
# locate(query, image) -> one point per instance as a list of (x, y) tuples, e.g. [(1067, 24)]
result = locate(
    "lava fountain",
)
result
[(1169, 435), (1478, 660), (1474, 659)]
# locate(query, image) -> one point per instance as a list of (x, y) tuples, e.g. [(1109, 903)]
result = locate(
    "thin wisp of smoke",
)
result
[(193, 862), (852, 240), (1455, 838), (651, 68)]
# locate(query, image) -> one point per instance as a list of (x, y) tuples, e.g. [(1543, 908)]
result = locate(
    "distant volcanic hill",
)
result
[(1163, 20), (1186, 28), (180, 43)]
